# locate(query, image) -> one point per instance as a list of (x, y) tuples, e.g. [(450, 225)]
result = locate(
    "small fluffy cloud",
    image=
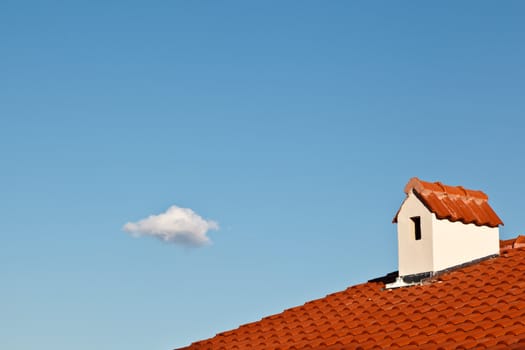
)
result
[(176, 225)]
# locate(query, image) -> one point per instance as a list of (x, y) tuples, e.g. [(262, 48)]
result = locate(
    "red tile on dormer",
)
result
[(454, 203)]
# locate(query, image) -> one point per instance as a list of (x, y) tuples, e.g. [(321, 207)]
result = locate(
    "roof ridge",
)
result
[(439, 187)]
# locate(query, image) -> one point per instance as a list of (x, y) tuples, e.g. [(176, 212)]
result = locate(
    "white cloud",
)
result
[(176, 225)]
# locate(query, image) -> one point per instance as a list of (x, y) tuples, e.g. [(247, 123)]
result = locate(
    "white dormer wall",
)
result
[(443, 243), (456, 243), (415, 256)]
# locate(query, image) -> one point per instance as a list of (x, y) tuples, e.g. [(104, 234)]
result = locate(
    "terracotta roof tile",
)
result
[(518, 242), (479, 306), (454, 203)]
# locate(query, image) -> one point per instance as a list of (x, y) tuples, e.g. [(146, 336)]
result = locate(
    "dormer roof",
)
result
[(453, 203)]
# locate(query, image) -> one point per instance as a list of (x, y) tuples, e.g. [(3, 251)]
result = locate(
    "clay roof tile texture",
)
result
[(454, 203), (478, 306)]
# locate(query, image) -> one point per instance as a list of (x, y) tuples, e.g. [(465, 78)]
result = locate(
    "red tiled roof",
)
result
[(480, 306), (518, 242), (454, 203)]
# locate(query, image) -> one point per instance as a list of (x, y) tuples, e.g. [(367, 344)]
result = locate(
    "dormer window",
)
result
[(417, 227)]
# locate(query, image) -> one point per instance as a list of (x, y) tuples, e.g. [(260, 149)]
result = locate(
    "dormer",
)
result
[(440, 227)]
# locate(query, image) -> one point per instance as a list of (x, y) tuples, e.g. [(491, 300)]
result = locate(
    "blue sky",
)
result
[(294, 126)]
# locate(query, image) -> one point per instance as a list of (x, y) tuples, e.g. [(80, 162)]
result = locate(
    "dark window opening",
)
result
[(417, 226)]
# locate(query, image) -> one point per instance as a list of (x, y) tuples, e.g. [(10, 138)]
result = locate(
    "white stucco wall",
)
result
[(456, 243), (415, 256)]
